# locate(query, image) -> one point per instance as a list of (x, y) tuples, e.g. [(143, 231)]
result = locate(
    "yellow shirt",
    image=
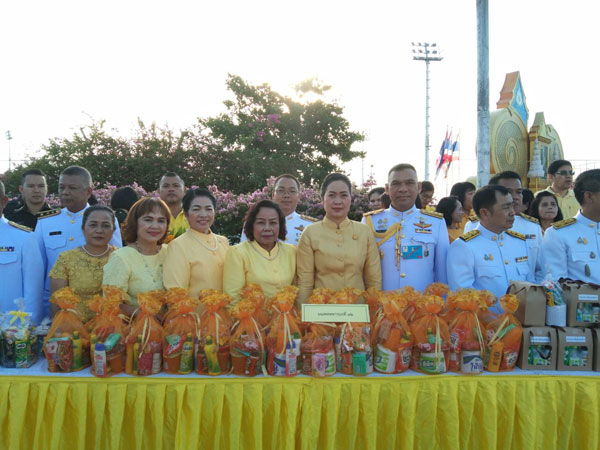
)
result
[(177, 226), (133, 272), (83, 273), (248, 263), (455, 233), (567, 204), (337, 257), (195, 261)]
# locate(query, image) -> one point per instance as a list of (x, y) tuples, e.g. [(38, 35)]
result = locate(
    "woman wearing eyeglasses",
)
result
[(560, 173)]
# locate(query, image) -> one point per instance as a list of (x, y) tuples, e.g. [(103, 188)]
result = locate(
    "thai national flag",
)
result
[(440, 159), (453, 155)]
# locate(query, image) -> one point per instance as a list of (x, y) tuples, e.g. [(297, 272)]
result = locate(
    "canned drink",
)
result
[(318, 364), (330, 363), (385, 360)]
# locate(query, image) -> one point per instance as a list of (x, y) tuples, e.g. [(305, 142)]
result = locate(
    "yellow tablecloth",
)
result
[(498, 411)]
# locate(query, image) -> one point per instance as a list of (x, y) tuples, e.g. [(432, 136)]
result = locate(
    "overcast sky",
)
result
[(66, 62)]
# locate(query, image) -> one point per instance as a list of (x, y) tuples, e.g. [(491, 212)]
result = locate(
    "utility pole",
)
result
[(9, 138), (483, 94), (426, 52)]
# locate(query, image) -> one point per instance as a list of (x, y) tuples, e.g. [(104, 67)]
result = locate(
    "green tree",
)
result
[(264, 133)]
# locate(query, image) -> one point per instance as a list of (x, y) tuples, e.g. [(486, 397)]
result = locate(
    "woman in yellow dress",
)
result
[(82, 267), (337, 252), (139, 266), (453, 213), (195, 259), (263, 258)]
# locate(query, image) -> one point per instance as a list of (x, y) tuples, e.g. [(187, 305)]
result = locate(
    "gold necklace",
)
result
[(268, 258), (212, 249), (137, 247)]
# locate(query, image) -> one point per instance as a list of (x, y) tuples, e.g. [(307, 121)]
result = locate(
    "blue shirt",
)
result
[(571, 249), (485, 260), (412, 246), (21, 270), (61, 232)]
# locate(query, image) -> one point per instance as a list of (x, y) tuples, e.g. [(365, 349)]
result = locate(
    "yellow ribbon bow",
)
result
[(18, 314)]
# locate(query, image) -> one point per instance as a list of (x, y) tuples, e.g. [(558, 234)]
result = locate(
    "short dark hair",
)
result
[(506, 175), (534, 208), (95, 208), (460, 189), (555, 165), (386, 201), (427, 186), (527, 197), (485, 197), (169, 175), (287, 175), (588, 181), (253, 212), (376, 190), (402, 166), (447, 206), (32, 172), (123, 198), (2, 190), (80, 172), (335, 177), (193, 193), (139, 208)]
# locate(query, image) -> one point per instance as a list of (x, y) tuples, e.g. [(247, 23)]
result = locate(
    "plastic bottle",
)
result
[(100, 360), (187, 355), (77, 356), (211, 357), (136, 354), (93, 342), (291, 366)]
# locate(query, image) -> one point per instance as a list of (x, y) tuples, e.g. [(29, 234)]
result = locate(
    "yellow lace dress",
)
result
[(83, 274)]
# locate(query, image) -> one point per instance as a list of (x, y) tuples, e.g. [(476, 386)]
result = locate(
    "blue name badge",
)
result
[(411, 251)]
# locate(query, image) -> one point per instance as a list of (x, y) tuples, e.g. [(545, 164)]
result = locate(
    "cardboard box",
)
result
[(544, 341), (532, 303), (596, 340), (575, 339), (583, 303)]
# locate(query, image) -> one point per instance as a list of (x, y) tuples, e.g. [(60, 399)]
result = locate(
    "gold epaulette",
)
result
[(517, 235), (470, 235), (308, 218), (432, 213), (49, 213), (564, 223), (531, 219), (20, 227), (375, 211), (473, 219)]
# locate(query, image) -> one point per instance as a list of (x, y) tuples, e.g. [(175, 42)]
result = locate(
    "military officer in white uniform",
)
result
[(571, 247), (492, 255), (21, 266), (60, 230), (286, 193), (412, 243), (523, 224)]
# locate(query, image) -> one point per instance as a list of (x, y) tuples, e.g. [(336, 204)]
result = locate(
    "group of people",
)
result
[(170, 241)]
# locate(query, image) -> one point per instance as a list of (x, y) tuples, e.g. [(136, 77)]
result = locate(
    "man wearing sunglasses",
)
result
[(560, 173)]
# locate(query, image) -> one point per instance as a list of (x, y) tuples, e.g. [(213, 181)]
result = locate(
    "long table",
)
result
[(521, 409)]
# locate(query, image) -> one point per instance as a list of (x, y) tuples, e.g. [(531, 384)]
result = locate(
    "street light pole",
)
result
[(426, 52), (9, 138)]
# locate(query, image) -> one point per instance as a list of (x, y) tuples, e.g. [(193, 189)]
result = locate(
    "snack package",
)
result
[(248, 349), (67, 345), (213, 351), (353, 348), (145, 338), (467, 344), (431, 349), (182, 321), (317, 352), (392, 338), (109, 329), (18, 342), (504, 337), (284, 338)]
